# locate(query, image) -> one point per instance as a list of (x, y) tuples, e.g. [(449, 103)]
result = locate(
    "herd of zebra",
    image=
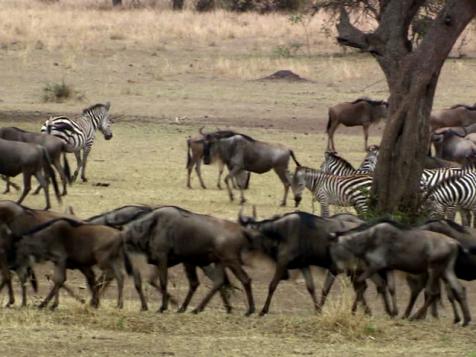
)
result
[(438, 250)]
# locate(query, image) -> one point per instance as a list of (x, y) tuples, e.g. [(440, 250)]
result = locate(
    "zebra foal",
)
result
[(328, 189), (79, 133)]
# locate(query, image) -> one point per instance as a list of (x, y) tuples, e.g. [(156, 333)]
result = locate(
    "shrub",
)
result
[(57, 92)]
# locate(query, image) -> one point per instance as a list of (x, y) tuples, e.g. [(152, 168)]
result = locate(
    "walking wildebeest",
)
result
[(195, 148), (386, 246), (457, 115), (54, 146), (451, 145), (362, 111), (20, 219), (298, 240), (28, 159), (171, 235), (70, 244), (243, 153)]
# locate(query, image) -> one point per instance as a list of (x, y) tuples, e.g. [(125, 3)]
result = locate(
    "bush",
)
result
[(57, 92)]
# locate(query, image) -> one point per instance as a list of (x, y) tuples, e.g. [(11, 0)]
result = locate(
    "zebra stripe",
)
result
[(344, 191), (336, 165)]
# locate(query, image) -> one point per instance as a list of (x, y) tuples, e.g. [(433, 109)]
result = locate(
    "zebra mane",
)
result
[(446, 181), (96, 107), (466, 106), (343, 161), (370, 101)]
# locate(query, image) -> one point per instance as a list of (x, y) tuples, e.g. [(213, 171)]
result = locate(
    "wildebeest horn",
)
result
[(201, 131), (254, 212)]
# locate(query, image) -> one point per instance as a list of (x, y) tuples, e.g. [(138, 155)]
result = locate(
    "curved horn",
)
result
[(201, 131), (254, 212)]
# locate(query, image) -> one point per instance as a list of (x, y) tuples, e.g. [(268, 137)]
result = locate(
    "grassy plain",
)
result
[(167, 74)]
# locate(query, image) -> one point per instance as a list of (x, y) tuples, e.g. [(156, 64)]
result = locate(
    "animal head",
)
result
[(298, 183), (101, 113)]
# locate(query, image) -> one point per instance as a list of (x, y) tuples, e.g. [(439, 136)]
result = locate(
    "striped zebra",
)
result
[(328, 189), (79, 133), (336, 165), (450, 194)]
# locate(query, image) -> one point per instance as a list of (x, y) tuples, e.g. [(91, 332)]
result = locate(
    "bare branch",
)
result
[(348, 34)]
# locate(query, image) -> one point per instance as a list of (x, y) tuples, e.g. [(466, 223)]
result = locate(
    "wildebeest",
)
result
[(362, 111), (28, 159), (299, 240), (171, 235), (195, 148), (451, 145), (387, 246), (243, 153), (70, 244), (457, 115), (54, 146)]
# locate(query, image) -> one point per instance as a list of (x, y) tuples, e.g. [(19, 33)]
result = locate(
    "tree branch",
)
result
[(348, 34)]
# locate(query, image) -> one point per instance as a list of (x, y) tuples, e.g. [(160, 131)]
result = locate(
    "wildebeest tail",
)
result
[(128, 263), (294, 158), (189, 156), (67, 169), (51, 173)]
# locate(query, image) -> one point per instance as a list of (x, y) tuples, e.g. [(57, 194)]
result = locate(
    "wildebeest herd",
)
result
[(434, 252)]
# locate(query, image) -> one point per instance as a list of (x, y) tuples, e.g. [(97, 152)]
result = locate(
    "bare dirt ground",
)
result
[(169, 75)]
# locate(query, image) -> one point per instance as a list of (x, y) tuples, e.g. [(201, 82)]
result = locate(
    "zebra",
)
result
[(330, 189), (450, 194), (336, 165), (79, 133)]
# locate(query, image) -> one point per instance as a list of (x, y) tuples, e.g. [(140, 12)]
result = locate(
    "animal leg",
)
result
[(59, 277), (459, 293), (44, 184), (191, 273), (451, 298), (153, 282), (77, 155), (231, 175), (86, 151), (221, 168), (218, 283), (360, 288), (163, 275), (366, 136), (214, 273), (119, 276), (306, 272), (416, 283), (330, 278), (138, 286), (245, 280), (330, 135), (93, 289), (281, 172), (64, 179), (198, 170), (432, 293), (382, 290), (26, 187), (7, 280), (278, 273)]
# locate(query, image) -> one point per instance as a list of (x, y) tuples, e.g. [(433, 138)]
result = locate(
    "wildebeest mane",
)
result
[(457, 227), (71, 222), (146, 208), (368, 100), (225, 134), (369, 224)]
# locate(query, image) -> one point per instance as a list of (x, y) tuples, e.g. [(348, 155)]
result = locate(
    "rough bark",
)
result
[(412, 76), (116, 2)]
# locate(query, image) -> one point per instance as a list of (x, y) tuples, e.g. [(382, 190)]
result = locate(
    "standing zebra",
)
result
[(329, 189), (336, 165), (79, 133)]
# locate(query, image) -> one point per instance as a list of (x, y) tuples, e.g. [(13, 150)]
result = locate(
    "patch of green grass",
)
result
[(57, 92)]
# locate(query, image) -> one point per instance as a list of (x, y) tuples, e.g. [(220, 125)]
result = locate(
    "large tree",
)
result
[(411, 72)]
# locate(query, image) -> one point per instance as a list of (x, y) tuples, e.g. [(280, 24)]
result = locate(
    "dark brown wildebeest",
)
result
[(121, 216), (19, 219), (457, 115), (28, 159), (70, 244), (362, 111), (54, 146), (194, 159), (242, 153), (171, 235), (299, 240), (386, 246)]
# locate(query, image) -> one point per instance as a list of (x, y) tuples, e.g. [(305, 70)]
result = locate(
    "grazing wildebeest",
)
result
[(243, 153), (70, 244), (54, 146), (299, 240), (28, 159), (387, 246), (451, 145), (20, 219), (195, 148), (79, 132), (171, 235), (362, 111), (457, 115)]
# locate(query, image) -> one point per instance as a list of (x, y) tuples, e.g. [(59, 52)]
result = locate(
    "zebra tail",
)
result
[(294, 158), (189, 156), (51, 173), (67, 169)]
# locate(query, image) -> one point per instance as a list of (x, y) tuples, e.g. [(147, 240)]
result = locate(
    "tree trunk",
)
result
[(116, 2)]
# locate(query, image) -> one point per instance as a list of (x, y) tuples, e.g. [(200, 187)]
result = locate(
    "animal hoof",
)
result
[(181, 310), (84, 179), (249, 313), (456, 320), (144, 308), (195, 311)]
